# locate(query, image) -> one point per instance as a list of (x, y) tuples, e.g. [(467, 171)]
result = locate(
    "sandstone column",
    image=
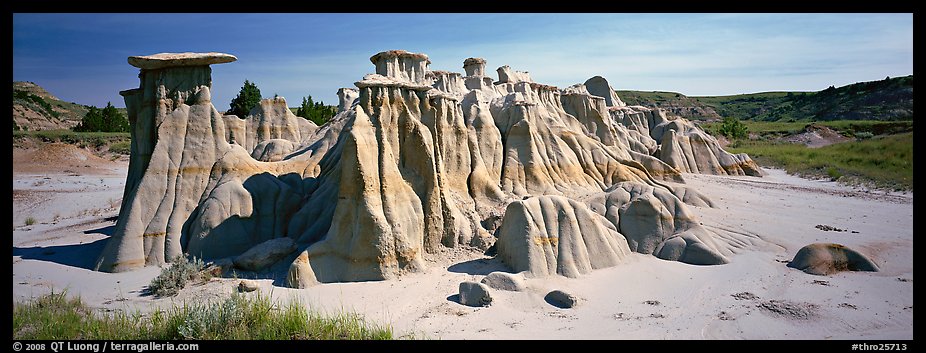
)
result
[(177, 135)]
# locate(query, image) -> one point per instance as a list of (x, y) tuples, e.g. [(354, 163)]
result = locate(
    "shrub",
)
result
[(833, 173), (733, 128), (174, 277), (863, 135), (248, 98), (30, 221)]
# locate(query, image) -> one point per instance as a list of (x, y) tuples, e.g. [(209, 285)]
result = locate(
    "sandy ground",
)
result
[(754, 297)]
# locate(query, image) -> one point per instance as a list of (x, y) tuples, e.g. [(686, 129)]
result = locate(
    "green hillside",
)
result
[(890, 99), (676, 103), (36, 109)]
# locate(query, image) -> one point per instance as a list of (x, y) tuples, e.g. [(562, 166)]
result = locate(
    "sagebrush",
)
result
[(175, 276)]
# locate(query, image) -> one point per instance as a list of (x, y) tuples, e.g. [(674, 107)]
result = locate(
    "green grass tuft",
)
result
[(884, 161), (57, 317), (121, 147), (30, 221)]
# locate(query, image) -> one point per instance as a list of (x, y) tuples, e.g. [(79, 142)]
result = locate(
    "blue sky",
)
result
[(82, 57)]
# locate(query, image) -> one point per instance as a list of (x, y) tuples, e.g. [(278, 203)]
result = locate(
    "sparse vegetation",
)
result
[(121, 147), (848, 128), (732, 128), (884, 161), (863, 135), (174, 277), (79, 139), (30, 221), (317, 112), (886, 100), (890, 99), (26, 96), (57, 317), (248, 98), (677, 103)]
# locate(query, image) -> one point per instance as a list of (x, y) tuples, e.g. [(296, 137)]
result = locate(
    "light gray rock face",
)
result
[(474, 294), (247, 285), (683, 145), (269, 121), (346, 98), (402, 65), (474, 67), (448, 82), (825, 259), (655, 221), (265, 254), (300, 274), (163, 60), (505, 281), (419, 161), (272, 150), (548, 235), (561, 299), (507, 75), (694, 151), (177, 136), (600, 87)]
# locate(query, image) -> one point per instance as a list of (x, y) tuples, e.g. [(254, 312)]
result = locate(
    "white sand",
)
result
[(694, 302)]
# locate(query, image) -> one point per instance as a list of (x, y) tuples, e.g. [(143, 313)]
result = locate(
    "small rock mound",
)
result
[(816, 136), (265, 254), (248, 285), (300, 273), (561, 299), (549, 235), (58, 157), (505, 281), (474, 294), (825, 259), (789, 309)]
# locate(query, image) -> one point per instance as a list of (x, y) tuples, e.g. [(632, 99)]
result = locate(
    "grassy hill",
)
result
[(676, 103), (34, 109), (890, 99)]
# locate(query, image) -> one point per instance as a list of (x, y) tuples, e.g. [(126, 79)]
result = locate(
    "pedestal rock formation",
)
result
[(564, 181), (177, 136)]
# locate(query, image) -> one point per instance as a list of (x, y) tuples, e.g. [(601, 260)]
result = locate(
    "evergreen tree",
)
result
[(113, 120), (247, 99), (108, 119), (317, 112)]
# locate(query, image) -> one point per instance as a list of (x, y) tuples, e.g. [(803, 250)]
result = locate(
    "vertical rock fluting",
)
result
[(548, 235), (682, 146), (402, 65), (414, 161), (600, 87), (271, 120), (346, 98), (403, 181), (177, 135)]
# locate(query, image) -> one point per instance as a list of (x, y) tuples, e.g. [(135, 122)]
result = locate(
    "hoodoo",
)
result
[(564, 181)]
